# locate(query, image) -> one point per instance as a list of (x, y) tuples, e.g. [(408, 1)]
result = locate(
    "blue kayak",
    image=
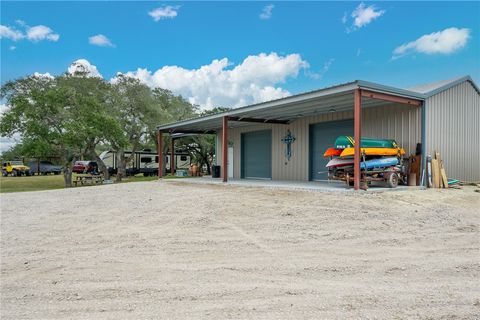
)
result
[(379, 163)]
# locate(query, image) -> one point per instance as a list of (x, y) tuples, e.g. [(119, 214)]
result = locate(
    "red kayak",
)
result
[(332, 152)]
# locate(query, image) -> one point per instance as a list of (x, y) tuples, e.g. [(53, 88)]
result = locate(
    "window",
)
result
[(156, 159), (183, 158), (145, 159)]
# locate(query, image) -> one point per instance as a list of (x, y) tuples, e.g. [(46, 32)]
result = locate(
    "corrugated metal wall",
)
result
[(396, 121), (453, 128), (399, 122)]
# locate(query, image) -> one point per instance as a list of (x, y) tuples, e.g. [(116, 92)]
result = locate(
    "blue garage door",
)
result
[(257, 154), (322, 136)]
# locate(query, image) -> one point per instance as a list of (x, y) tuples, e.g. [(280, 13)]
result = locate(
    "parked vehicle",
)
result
[(15, 168), (44, 167), (145, 162), (85, 166)]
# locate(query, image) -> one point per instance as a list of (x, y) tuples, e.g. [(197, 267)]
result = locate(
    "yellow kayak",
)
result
[(348, 152)]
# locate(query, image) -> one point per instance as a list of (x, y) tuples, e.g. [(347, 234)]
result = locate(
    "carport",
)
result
[(355, 96)]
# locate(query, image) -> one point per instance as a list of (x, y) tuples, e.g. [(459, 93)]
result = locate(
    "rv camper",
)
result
[(145, 162)]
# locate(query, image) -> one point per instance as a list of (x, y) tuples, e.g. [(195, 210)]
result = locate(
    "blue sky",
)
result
[(306, 45)]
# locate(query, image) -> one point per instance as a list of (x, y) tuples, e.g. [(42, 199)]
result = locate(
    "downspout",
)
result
[(423, 177)]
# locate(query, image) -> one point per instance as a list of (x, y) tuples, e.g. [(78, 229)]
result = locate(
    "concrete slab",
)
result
[(322, 186)]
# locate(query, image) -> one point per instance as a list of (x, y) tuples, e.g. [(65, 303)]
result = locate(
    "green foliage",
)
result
[(214, 111), (77, 116), (201, 147), (40, 110)]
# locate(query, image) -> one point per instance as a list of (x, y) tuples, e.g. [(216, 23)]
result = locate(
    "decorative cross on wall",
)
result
[(288, 140)]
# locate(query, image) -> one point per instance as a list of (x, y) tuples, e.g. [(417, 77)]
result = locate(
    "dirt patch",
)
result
[(172, 250)]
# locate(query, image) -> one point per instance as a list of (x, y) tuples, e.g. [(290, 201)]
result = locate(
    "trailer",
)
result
[(392, 175), (145, 162)]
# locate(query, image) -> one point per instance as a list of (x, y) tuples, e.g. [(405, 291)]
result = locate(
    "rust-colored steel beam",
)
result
[(357, 132), (258, 120), (193, 131), (172, 156), (160, 153), (391, 98), (224, 148)]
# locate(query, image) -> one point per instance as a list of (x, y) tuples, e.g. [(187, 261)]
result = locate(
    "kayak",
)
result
[(337, 162), (332, 152), (348, 152), (343, 142), (379, 163)]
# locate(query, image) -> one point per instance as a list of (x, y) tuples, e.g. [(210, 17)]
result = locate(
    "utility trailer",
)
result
[(145, 162), (391, 175)]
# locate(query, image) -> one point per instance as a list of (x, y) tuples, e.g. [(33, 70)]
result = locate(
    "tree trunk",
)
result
[(209, 165), (67, 177), (121, 165), (101, 165), (67, 173)]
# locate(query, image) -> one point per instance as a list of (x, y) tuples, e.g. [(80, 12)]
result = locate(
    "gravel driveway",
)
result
[(172, 250)]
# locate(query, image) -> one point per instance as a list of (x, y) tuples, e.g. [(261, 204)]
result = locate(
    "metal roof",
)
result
[(430, 89), (331, 99)]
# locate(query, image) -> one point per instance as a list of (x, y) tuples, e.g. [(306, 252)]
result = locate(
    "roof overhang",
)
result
[(329, 100)]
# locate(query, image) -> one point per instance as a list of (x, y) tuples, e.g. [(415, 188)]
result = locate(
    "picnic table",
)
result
[(84, 179)]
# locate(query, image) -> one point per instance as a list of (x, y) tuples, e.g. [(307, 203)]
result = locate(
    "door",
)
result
[(230, 162), (257, 155), (322, 136)]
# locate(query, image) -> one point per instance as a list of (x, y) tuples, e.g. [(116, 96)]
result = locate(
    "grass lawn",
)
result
[(32, 183), (36, 183)]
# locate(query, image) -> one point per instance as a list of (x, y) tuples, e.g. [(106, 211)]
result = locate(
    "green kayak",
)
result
[(343, 142)]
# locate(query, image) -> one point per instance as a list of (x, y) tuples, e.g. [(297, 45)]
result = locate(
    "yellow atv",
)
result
[(15, 168)]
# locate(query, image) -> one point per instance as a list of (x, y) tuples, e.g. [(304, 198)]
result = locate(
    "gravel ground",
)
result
[(172, 250)]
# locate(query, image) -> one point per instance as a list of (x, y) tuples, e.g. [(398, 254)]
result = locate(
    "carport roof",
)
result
[(331, 99)]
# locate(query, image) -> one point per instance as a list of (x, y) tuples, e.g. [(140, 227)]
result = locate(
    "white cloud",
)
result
[(3, 108), (442, 42), (362, 15), (100, 40), (327, 66), (12, 48), (165, 12), (319, 75), (7, 142), (220, 84), (45, 75), (84, 66), (10, 33), (267, 12), (21, 22), (40, 32), (34, 34)]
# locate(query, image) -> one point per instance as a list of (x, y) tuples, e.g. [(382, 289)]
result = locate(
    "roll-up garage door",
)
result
[(257, 155), (322, 136)]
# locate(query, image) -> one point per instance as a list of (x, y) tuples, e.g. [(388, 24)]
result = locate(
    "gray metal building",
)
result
[(443, 116)]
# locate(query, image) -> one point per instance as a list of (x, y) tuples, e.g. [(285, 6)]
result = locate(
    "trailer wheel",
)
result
[(392, 180)]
